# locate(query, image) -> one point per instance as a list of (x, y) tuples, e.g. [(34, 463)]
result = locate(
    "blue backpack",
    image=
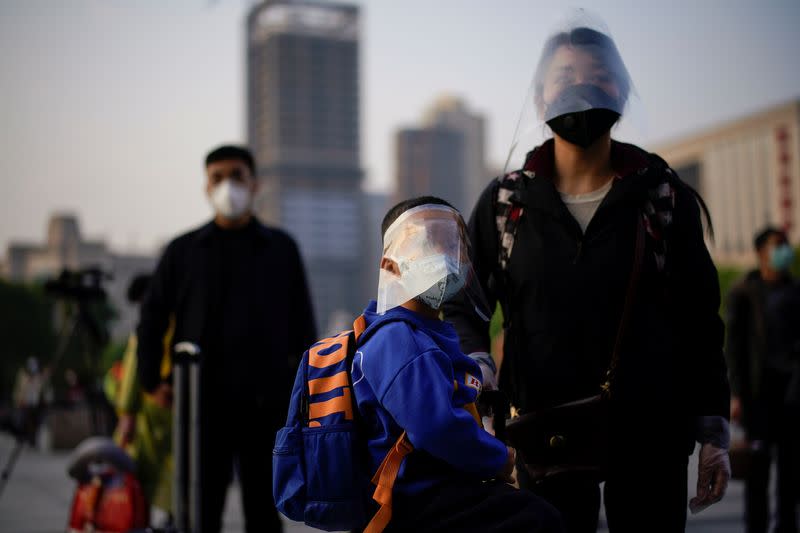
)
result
[(319, 463)]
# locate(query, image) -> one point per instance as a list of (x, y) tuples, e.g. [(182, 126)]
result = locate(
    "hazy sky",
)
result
[(107, 107)]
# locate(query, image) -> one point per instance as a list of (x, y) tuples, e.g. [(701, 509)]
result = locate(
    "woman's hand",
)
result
[(714, 472), (507, 474)]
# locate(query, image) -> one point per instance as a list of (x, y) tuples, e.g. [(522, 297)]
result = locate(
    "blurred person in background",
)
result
[(578, 208), (75, 392), (144, 426), (237, 289), (29, 389), (763, 351)]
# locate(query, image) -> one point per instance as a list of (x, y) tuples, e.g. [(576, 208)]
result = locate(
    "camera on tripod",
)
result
[(81, 285)]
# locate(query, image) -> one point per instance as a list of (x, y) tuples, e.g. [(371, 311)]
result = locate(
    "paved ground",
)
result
[(724, 517), (38, 497), (39, 494)]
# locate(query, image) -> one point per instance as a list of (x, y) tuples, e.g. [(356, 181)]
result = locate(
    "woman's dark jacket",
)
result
[(563, 295)]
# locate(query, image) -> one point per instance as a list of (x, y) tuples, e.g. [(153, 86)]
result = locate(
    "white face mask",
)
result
[(230, 199), (440, 273)]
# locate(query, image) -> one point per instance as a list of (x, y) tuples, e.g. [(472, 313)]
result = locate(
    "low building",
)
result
[(748, 172), (65, 248)]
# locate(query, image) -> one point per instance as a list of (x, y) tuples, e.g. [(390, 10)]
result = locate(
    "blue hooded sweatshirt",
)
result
[(410, 375)]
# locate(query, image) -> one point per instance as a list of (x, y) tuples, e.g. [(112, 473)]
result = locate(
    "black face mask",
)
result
[(582, 128)]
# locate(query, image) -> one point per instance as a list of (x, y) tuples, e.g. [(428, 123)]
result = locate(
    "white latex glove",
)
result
[(713, 474), (488, 370)]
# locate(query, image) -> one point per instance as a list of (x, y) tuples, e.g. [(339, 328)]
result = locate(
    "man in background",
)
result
[(236, 288), (762, 352)]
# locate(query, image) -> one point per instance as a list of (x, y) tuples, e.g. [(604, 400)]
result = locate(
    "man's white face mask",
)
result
[(231, 199)]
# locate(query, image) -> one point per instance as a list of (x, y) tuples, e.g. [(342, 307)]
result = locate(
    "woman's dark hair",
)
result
[(601, 47), (678, 183), (405, 205), (703, 209), (228, 152)]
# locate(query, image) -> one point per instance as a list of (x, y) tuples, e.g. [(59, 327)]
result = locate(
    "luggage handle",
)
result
[(186, 437)]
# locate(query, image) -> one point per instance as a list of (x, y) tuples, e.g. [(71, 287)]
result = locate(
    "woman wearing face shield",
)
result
[(595, 251)]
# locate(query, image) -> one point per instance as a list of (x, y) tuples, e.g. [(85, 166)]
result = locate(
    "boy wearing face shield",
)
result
[(410, 378), (561, 277), (763, 351)]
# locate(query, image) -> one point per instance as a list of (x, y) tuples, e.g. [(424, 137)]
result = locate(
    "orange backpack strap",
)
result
[(386, 474), (359, 326), (384, 480)]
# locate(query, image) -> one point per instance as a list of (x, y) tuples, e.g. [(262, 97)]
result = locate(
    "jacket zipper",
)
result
[(578, 252)]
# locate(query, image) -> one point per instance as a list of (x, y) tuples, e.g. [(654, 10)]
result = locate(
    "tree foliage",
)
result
[(26, 330), (31, 323)]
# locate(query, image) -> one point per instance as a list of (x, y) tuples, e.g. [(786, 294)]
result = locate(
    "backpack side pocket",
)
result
[(288, 473), (335, 481)]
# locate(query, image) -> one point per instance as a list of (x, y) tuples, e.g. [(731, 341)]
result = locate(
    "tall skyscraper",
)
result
[(303, 125), (431, 161), (375, 207), (444, 157), (452, 113)]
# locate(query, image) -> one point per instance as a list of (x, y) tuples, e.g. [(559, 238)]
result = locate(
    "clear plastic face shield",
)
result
[(430, 247), (579, 90)]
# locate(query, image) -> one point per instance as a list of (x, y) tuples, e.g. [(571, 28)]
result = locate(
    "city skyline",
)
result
[(108, 109), (64, 246)]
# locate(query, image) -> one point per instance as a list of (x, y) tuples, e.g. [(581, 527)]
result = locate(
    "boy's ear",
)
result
[(390, 265)]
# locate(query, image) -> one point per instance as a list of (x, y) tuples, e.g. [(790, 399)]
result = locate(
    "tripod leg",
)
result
[(68, 332), (12, 460)]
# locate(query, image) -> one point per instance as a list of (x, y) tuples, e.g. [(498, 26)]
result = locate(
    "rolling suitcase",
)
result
[(185, 441), (186, 437)]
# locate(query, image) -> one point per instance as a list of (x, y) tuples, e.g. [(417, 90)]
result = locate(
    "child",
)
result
[(410, 376)]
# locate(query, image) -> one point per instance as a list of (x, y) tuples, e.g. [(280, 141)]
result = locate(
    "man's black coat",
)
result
[(243, 298)]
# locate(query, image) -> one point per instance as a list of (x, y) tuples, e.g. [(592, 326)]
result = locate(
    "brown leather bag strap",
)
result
[(384, 479), (633, 282)]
